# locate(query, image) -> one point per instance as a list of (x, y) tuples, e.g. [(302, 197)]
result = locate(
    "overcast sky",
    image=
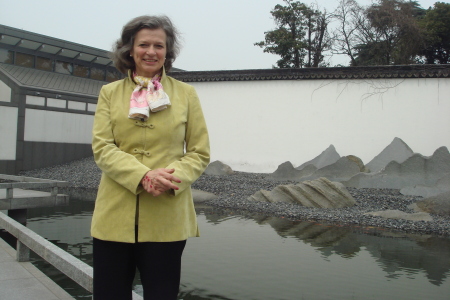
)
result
[(217, 34)]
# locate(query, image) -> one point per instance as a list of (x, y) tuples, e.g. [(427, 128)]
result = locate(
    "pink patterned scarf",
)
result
[(148, 96)]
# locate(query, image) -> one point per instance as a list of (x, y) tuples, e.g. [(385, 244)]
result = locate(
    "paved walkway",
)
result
[(23, 281)]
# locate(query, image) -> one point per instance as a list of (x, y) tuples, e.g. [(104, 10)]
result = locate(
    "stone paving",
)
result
[(22, 280)]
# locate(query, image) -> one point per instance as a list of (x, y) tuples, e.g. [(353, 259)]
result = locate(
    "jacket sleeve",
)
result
[(120, 166), (197, 154)]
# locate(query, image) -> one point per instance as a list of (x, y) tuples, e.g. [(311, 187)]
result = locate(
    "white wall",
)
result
[(257, 125), (5, 92), (58, 127), (8, 132)]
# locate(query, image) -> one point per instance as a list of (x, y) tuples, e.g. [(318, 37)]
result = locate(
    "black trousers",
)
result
[(115, 264)]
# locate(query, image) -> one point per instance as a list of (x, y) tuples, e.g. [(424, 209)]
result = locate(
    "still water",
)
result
[(242, 257)]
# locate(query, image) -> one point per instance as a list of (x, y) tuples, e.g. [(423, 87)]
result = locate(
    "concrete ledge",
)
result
[(74, 268), (24, 280), (30, 199)]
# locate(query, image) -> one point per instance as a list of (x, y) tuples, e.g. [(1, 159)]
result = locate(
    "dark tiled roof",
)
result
[(22, 39), (51, 81), (369, 72)]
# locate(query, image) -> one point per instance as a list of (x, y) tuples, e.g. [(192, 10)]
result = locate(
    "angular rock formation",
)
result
[(320, 193), (327, 157), (342, 170), (218, 168), (286, 171), (398, 214), (439, 205), (202, 196), (397, 151), (359, 162), (416, 170), (442, 186)]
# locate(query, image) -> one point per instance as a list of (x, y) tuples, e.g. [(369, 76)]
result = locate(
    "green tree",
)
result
[(301, 35), (390, 33), (436, 23)]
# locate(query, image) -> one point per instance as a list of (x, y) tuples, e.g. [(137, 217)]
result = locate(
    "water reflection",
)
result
[(392, 251), (256, 257)]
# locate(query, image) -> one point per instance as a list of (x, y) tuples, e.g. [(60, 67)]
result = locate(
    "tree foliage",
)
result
[(394, 32), (436, 23), (384, 33), (301, 35)]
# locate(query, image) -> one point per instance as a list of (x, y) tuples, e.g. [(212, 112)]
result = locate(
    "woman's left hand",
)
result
[(159, 181)]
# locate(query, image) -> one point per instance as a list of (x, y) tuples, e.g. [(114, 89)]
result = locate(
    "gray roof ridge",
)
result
[(25, 77)]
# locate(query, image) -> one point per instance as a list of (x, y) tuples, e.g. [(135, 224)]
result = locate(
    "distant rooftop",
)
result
[(25, 40), (366, 72), (31, 50)]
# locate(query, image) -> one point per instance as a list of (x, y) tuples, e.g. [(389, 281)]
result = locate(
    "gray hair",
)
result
[(121, 51)]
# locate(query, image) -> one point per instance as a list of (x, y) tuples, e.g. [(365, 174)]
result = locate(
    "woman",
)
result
[(151, 142)]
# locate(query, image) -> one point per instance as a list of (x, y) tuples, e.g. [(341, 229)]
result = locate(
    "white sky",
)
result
[(217, 34)]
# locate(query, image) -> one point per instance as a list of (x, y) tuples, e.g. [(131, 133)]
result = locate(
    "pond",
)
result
[(246, 257)]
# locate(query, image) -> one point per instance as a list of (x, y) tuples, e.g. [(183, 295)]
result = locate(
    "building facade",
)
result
[(48, 94)]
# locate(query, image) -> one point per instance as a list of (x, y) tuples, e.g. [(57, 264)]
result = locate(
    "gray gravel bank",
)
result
[(233, 191)]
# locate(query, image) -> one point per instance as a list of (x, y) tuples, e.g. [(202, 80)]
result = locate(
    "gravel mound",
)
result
[(233, 191)]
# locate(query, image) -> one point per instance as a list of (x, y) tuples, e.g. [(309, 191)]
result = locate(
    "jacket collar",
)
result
[(163, 75)]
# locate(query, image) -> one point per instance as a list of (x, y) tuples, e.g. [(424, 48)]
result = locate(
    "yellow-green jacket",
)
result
[(126, 149)]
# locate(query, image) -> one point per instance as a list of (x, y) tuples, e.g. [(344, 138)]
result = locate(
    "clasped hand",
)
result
[(159, 181)]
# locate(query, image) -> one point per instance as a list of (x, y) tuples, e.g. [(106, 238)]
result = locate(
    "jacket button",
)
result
[(135, 150), (151, 126), (147, 153)]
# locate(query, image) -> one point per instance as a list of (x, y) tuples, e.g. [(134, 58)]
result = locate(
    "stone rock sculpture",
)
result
[(342, 170), (416, 170), (327, 157), (397, 151), (359, 162), (438, 205), (202, 196), (218, 168), (286, 171), (320, 193), (442, 185)]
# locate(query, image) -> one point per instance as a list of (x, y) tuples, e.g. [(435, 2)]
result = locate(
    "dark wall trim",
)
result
[(8, 167), (368, 72), (40, 154), (63, 110)]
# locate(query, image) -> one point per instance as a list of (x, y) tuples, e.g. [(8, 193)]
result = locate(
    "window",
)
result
[(24, 60), (6, 56), (45, 64), (79, 70), (112, 76), (98, 74), (63, 67)]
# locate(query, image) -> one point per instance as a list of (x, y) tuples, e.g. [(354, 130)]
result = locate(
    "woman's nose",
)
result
[(151, 50)]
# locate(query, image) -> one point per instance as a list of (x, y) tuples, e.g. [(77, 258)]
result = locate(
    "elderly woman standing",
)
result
[(151, 142)]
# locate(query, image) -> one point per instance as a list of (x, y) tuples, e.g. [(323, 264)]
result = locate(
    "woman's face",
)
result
[(149, 51)]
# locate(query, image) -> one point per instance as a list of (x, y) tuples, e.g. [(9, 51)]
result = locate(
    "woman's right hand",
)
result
[(159, 181)]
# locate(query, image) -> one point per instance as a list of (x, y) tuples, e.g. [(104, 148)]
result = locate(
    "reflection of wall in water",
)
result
[(411, 252), (393, 252), (65, 225)]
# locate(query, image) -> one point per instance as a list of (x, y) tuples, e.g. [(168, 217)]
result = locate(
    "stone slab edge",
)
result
[(74, 268), (49, 284)]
